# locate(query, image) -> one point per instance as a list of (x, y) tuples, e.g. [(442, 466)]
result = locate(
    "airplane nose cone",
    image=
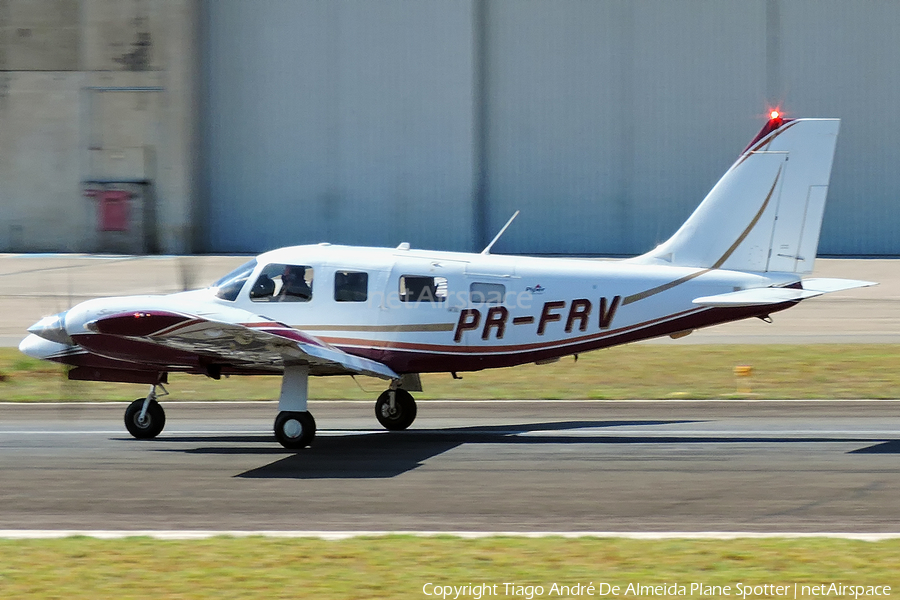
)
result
[(52, 328), (38, 347)]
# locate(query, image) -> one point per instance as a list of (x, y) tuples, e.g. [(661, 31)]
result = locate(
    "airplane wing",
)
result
[(257, 342), (774, 295)]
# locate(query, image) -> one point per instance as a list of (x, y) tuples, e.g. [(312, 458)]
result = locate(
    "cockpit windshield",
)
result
[(230, 286)]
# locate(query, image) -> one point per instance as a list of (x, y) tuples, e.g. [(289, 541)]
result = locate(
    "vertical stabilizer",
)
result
[(766, 212)]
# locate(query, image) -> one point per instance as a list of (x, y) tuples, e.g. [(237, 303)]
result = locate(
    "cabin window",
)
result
[(229, 286), (351, 286), (487, 293), (279, 282), (416, 288)]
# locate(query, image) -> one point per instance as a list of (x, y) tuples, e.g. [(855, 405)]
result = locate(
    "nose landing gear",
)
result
[(145, 418)]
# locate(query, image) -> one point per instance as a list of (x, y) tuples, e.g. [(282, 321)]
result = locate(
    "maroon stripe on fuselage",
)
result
[(140, 323), (418, 361), (411, 358), (499, 348), (136, 351)]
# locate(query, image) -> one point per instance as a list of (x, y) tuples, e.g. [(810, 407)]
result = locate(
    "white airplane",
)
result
[(394, 313)]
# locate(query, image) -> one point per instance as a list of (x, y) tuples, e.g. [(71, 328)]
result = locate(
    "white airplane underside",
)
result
[(395, 313)]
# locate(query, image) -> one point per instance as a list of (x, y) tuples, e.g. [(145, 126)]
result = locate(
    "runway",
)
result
[(464, 466)]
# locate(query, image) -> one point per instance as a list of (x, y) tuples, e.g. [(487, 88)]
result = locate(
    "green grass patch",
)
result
[(398, 566), (643, 371)]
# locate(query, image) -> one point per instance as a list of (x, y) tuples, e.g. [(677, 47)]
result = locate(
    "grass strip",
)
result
[(399, 566), (633, 371)]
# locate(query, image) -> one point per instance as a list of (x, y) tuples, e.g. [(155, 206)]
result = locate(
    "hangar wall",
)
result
[(97, 96), (605, 122), (340, 121)]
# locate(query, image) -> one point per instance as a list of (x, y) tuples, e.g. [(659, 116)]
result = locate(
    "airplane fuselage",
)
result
[(472, 311)]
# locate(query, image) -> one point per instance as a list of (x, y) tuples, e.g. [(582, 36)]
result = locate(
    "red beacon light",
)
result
[(776, 120)]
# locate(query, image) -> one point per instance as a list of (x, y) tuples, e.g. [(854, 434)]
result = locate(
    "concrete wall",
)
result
[(96, 91)]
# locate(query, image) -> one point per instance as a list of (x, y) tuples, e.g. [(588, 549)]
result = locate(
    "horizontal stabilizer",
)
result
[(827, 285), (756, 297), (776, 295)]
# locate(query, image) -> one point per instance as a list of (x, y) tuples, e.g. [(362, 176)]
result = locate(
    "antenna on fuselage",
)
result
[(487, 250)]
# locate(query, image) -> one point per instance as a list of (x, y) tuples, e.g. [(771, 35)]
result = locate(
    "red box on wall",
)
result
[(113, 210)]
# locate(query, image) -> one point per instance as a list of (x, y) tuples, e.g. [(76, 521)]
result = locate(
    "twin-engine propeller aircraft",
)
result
[(395, 313)]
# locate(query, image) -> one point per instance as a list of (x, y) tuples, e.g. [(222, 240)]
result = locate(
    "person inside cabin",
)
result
[(294, 287)]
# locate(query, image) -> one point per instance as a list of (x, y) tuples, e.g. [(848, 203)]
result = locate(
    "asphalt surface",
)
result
[(465, 466), (36, 285)]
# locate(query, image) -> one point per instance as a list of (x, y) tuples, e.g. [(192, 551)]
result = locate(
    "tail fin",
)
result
[(766, 212)]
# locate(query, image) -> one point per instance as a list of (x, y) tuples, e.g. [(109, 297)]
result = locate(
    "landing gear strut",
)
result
[(395, 409), (295, 427), (145, 418)]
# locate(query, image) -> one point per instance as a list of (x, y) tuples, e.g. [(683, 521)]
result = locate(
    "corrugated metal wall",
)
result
[(605, 122), (840, 59), (339, 121)]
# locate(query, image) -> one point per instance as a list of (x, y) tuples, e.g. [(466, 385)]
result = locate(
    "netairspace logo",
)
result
[(477, 591)]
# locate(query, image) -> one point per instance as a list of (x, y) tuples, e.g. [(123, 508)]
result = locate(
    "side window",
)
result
[(415, 288), (350, 286), (283, 283), (487, 293)]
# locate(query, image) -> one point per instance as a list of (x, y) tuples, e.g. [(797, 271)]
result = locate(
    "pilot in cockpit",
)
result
[(293, 285)]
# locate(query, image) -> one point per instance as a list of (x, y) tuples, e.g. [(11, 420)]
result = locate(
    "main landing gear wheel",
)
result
[(150, 425), (399, 416), (295, 430)]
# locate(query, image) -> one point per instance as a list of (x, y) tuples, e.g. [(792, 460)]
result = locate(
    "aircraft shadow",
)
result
[(389, 454), (888, 447), (380, 454), (368, 455)]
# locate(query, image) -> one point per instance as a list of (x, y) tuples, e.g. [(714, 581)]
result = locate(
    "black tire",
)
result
[(295, 430), (404, 412), (153, 422)]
